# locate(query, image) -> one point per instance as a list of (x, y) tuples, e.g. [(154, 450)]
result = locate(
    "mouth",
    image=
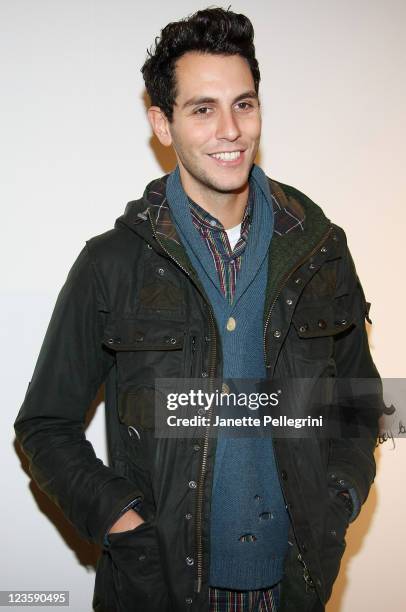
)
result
[(228, 158)]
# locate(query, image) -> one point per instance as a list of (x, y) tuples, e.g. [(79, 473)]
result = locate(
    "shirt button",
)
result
[(192, 484), (231, 324)]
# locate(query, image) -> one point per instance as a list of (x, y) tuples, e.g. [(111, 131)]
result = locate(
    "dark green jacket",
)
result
[(132, 310)]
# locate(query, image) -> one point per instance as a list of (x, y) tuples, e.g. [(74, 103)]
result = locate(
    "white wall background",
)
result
[(75, 147)]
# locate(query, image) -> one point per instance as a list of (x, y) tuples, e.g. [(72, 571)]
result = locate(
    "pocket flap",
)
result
[(317, 320), (138, 335)]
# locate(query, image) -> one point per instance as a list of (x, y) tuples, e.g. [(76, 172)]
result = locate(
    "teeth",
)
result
[(228, 156)]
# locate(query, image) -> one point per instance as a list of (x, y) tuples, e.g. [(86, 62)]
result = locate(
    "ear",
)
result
[(160, 125)]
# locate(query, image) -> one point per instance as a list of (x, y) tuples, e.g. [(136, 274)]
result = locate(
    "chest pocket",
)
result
[(314, 327), (144, 351)]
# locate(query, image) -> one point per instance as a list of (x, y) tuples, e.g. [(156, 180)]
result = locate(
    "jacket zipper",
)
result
[(283, 284), (203, 464)]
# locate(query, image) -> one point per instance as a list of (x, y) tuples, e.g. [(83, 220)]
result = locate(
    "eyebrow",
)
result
[(207, 100)]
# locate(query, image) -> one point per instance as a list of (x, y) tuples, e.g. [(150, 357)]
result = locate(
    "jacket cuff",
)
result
[(135, 504), (104, 512), (341, 485)]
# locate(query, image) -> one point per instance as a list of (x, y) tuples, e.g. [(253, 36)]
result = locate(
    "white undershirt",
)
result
[(233, 235)]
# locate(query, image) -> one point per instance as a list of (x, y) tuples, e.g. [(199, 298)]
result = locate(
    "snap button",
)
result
[(192, 484), (311, 266), (188, 516), (161, 271), (204, 374), (142, 557), (189, 601), (171, 340), (201, 411), (149, 246), (304, 327), (298, 281), (196, 447), (323, 249), (322, 324), (277, 333), (333, 532), (231, 324), (190, 560), (289, 302)]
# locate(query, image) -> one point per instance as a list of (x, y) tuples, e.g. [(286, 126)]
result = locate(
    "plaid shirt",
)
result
[(226, 260)]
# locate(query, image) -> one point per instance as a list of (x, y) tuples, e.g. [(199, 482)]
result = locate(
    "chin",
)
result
[(231, 184)]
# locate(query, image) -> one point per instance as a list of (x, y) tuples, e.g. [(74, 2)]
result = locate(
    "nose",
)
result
[(227, 126)]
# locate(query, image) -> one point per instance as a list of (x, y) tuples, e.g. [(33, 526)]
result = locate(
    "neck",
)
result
[(227, 207)]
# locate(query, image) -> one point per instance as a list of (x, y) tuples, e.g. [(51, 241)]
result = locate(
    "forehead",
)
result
[(209, 74)]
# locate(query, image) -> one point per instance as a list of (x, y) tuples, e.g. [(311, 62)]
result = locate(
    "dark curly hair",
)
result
[(212, 30)]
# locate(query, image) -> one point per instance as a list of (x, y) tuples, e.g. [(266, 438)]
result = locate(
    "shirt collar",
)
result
[(205, 219)]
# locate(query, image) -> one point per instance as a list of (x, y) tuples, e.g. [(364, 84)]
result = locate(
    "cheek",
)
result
[(190, 140)]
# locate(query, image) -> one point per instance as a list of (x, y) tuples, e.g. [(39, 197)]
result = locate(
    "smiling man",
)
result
[(217, 272)]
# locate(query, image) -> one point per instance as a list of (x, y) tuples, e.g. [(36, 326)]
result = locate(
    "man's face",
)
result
[(216, 123)]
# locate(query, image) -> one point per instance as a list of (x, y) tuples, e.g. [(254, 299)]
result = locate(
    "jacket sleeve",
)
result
[(359, 400), (71, 366)]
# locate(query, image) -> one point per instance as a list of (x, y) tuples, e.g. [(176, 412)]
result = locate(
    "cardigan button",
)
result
[(231, 324)]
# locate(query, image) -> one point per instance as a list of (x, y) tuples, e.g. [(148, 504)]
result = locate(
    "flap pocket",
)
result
[(318, 320), (143, 335)]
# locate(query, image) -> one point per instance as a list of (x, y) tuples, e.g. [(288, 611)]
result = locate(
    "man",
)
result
[(216, 272)]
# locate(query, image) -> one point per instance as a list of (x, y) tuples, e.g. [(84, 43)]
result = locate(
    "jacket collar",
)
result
[(299, 226), (289, 213)]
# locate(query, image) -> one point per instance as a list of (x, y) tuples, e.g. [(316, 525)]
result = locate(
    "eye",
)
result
[(244, 105), (202, 110)]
